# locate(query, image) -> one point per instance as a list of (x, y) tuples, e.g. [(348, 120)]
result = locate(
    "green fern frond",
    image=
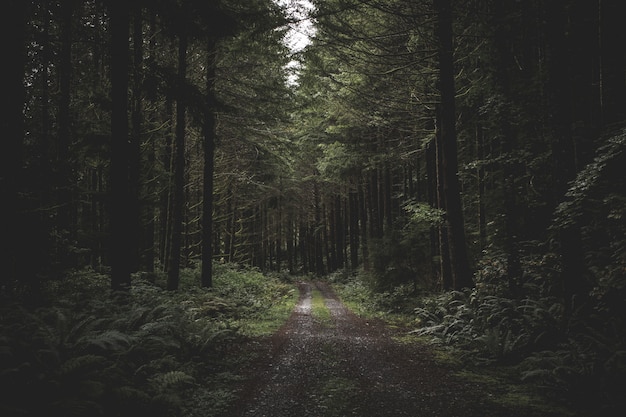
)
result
[(75, 407), (80, 329), (81, 364), (108, 341), (127, 394), (172, 379), (220, 337), (156, 345), (157, 365)]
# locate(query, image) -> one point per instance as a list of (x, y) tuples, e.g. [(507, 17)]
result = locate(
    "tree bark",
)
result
[(458, 252), (64, 192), (121, 220), (354, 229), (480, 176), (206, 276), (136, 244), (445, 264), (317, 233), (613, 65), (504, 62), (433, 200), (173, 275), (363, 220), (340, 232), (13, 31), (290, 242), (165, 199)]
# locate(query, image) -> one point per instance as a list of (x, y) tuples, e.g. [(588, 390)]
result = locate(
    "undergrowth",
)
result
[(87, 352), (576, 362)]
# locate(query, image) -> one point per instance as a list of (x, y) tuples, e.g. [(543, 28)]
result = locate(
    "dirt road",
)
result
[(348, 366)]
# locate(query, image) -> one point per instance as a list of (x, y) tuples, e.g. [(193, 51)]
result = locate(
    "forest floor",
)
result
[(326, 361)]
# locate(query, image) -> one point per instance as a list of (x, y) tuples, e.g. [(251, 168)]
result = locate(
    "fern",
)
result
[(110, 341), (81, 364), (172, 379), (83, 326), (75, 407)]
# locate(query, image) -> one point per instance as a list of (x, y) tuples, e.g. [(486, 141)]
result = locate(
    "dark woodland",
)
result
[(170, 169)]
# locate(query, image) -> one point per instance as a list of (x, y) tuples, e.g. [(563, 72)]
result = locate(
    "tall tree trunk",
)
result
[(229, 237), (332, 237), (388, 195), (613, 65), (480, 176), (46, 56), (206, 277), (379, 188), (178, 203), (165, 198), (445, 264), (340, 231), (121, 220), (372, 204), (560, 95), (317, 234), (136, 244), (433, 200), (279, 229), (303, 244), (13, 32), (64, 190), (454, 214), (354, 228), (254, 236), (151, 203), (363, 221), (55, 253), (505, 61)]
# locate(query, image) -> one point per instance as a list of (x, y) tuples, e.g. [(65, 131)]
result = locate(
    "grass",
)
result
[(319, 311), (271, 319)]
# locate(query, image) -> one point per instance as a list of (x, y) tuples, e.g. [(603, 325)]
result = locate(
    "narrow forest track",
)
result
[(349, 366)]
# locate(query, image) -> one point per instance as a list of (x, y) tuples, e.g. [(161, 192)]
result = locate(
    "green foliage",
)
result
[(338, 162), (359, 293), (590, 186), (491, 324), (403, 255), (144, 353), (319, 311)]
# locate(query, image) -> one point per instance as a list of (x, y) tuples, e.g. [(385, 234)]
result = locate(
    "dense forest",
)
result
[(466, 155)]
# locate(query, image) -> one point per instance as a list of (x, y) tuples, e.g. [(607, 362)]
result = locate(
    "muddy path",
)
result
[(347, 366)]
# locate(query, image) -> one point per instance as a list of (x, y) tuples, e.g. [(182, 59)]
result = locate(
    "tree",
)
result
[(209, 167), (461, 274), (64, 197), (121, 217), (178, 201), (13, 26)]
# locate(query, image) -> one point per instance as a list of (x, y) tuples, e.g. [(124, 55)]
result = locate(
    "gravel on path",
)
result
[(350, 366)]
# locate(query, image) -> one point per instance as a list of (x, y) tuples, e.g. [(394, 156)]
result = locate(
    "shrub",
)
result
[(89, 352)]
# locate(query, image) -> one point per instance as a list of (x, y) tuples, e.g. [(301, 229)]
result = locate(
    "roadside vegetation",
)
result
[(517, 345), (148, 352)]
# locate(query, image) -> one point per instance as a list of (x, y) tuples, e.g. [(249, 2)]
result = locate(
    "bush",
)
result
[(88, 352)]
